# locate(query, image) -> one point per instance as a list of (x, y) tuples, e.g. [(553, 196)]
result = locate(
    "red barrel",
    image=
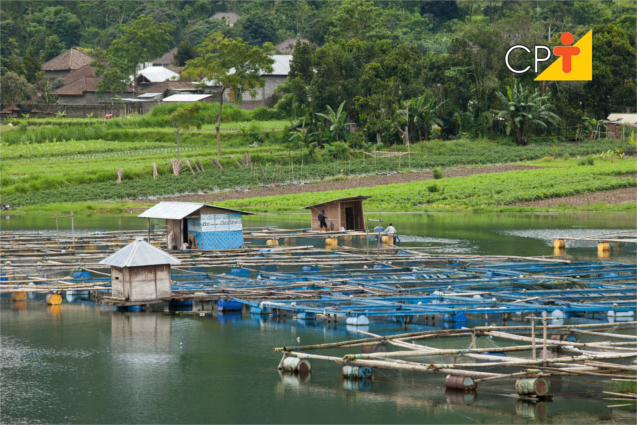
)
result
[(465, 383)]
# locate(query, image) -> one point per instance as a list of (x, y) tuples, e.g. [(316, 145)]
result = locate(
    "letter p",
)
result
[(537, 59)]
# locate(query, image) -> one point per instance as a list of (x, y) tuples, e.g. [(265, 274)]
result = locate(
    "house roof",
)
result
[(169, 85), (179, 210), (149, 95), (281, 65), (139, 253), (290, 44), (166, 58), (85, 71), (230, 17), (70, 60), (157, 74), (81, 86), (351, 198), (186, 97), (174, 68), (623, 118)]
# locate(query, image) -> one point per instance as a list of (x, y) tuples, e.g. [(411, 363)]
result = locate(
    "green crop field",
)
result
[(481, 190)]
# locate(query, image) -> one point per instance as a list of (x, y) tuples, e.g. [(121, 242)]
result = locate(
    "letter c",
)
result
[(506, 58)]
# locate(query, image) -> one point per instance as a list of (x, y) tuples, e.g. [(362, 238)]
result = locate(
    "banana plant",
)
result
[(336, 119)]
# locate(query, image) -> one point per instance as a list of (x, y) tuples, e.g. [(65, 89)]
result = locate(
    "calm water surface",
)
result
[(84, 364)]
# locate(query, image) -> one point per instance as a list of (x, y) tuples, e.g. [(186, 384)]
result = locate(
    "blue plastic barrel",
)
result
[(242, 272), (227, 305), (339, 266), (268, 268), (381, 266), (81, 275), (310, 268)]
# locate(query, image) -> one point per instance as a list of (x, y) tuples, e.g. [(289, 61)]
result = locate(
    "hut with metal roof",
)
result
[(343, 213), (199, 225), (140, 272)]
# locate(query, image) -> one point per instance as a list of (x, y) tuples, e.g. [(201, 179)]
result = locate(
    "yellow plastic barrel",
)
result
[(331, 242), (559, 243), (387, 239), (272, 242), (603, 246), (18, 296), (54, 299)]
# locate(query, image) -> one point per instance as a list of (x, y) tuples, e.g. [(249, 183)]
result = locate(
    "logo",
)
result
[(573, 63)]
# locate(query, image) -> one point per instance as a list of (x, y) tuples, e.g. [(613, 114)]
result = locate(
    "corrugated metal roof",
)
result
[(186, 97), (146, 95), (281, 65), (158, 74), (351, 198), (138, 254), (179, 210), (623, 118)]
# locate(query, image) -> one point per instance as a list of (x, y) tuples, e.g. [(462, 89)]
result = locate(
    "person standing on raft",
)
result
[(322, 222)]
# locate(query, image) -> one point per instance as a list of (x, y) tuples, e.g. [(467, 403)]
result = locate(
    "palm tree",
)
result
[(337, 119), (525, 108), (425, 111)]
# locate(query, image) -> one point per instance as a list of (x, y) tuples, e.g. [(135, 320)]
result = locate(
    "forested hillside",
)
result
[(442, 61)]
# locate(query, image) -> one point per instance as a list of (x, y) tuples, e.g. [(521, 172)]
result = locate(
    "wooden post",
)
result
[(409, 156), (148, 230), (533, 336), (73, 230), (57, 229), (544, 354), (473, 339)]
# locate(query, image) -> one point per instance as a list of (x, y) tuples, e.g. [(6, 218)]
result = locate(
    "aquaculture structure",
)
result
[(200, 226), (343, 213), (140, 272)]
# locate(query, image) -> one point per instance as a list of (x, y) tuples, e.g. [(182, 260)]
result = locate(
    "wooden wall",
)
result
[(141, 283)]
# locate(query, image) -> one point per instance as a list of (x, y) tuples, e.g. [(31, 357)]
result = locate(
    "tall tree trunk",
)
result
[(419, 134), (219, 123)]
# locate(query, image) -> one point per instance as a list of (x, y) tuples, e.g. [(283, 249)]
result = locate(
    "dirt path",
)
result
[(614, 196), (342, 184)]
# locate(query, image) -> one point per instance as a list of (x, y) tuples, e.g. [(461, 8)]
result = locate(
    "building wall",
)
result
[(264, 94), (88, 98), (215, 229), (147, 283), (175, 227), (332, 212), (117, 282), (359, 218)]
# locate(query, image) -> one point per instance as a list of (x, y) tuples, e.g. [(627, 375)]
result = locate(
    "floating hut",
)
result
[(346, 213), (201, 226), (140, 272)]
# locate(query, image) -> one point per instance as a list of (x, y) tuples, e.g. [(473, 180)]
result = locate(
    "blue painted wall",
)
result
[(217, 231)]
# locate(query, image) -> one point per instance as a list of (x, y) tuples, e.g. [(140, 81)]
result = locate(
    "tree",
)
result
[(64, 24), (256, 30), (362, 20), (232, 64), (185, 52), (524, 108), (52, 48), (184, 118), (142, 41), (614, 84), (336, 119), (15, 89), (31, 69), (425, 112)]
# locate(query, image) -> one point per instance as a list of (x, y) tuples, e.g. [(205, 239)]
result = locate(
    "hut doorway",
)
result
[(349, 218), (185, 231)]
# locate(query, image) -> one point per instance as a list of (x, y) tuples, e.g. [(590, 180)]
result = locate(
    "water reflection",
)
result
[(532, 410), (462, 398)]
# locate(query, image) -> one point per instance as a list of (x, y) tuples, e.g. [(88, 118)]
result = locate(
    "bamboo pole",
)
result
[(533, 336), (544, 336)]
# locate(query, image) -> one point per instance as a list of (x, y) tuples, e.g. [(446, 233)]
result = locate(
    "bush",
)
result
[(433, 188), (590, 160), (566, 157), (581, 161), (547, 159), (437, 173)]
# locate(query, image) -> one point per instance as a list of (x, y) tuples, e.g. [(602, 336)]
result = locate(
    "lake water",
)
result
[(86, 364)]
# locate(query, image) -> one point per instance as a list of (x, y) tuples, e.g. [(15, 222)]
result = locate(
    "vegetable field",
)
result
[(475, 191)]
